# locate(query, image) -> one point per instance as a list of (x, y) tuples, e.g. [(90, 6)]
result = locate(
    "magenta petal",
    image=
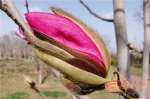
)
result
[(20, 35), (65, 31)]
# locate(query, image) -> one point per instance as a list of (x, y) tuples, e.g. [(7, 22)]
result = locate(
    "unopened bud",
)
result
[(131, 46), (31, 83)]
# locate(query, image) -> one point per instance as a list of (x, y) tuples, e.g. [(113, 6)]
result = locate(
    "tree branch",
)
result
[(16, 15), (2, 7), (27, 6), (139, 14), (96, 15)]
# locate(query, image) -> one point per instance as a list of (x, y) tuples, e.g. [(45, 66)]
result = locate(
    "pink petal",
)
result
[(65, 31), (20, 35)]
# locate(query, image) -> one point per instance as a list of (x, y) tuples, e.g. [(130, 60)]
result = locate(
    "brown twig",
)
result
[(15, 13), (32, 85), (27, 6), (2, 7), (96, 15)]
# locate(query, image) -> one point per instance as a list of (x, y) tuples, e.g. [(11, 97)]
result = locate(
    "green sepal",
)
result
[(70, 71)]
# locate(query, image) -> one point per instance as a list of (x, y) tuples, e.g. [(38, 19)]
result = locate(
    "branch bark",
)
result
[(96, 15), (27, 6), (121, 39), (16, 14), (145, 69)]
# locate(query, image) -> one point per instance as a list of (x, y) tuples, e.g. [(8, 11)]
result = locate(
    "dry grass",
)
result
[(136, 71), (12, 83)]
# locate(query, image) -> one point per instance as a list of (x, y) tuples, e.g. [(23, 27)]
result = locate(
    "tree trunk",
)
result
[(121, 38), (145, 68)]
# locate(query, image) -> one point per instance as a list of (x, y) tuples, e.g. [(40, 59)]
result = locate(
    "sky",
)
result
[(101, 7)]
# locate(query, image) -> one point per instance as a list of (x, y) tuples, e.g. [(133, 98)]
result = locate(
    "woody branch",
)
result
[(96, 15), (27, 6)]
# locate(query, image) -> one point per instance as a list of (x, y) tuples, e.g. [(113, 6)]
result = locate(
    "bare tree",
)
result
[(107, 39), (145, 69), (139, 14)]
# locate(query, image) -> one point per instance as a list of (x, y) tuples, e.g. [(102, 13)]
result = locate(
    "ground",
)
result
[(13, 86)]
